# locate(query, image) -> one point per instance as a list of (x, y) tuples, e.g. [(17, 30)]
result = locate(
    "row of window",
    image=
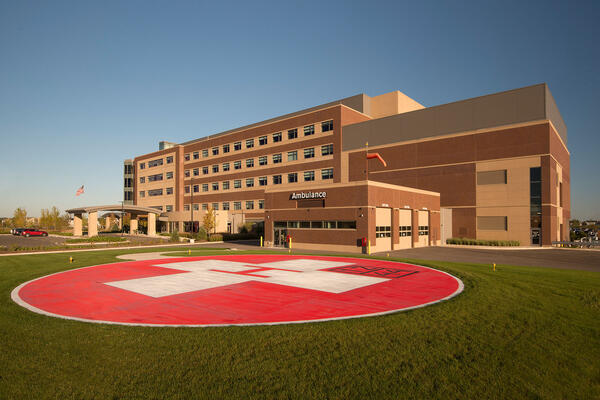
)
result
[(262, 140), (292, 177), (157, 177), (237, 205), (262, 160), (315, 224), (156, 163), (156, 192), (406, 230)]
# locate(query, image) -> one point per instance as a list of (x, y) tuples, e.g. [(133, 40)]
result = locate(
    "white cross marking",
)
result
[(207, 274)]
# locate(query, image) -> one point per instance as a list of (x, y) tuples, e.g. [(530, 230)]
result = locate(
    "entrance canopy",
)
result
[(92, 212)]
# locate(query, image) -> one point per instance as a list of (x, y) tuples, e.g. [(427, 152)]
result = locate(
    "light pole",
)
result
[(122, 216), (192, 206)]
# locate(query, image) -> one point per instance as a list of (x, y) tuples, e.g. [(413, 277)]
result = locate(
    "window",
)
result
[(262, 140), (237, 205), (215, 168), (329, 224), (327, 149), (215, 151), (127, 182), (127, 196), (196, 155), (327, 173), (292, 133), (205, 187), (170, 160), (262, 181), (169, 208), (225, 185), (237, 165), (215, 186), (250, 163), (169, 190), (309, 153), (292, 155), (405, 230), (383, 231), (204, 206), (187, 189), (346, 224), (424, 230), (187, 173), (309, 176), (261, 204), (128, 169), (170, 175), (262, 160), (196, 172), (187, 157), (316, 224), (249, 182), (276, 158), (155, 163), (196, 188), (142, 179), (293, 177), (225, 148), (142, 165), (142, 194), (155, 192), (309, 130), (327, 126), (489, 223), (277, 137), (215, 206), (249, 143), (226, 206), (204, 153), (237, 146), (205, 170), (250, 205), (196, 208), (225, 167), (491, 177), (237, 183), (154, 178), (186, 207), (276, 179)]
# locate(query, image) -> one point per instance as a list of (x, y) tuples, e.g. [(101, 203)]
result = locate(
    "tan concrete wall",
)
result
[(510, 199), (392, 103)]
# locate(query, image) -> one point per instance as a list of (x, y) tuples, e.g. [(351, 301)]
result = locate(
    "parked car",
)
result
[(33, 232), (17, 231)]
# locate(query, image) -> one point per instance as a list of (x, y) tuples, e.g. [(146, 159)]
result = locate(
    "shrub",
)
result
[(480, 242), (238, 236), (215, 237), (174, 237), (96, 239), (201, 234)]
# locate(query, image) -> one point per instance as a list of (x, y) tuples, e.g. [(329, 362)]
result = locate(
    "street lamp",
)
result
[(122, 216), (192, 206)]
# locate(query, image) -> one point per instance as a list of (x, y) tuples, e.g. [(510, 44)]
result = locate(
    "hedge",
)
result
[(480, 242)]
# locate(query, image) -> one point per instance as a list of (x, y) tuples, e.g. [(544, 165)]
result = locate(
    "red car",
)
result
[(33, 232)]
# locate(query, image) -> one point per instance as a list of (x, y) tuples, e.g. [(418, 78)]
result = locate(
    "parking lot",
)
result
[(33, 241)]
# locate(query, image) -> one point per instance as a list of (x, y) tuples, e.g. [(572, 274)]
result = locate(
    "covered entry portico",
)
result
[(92, 212)]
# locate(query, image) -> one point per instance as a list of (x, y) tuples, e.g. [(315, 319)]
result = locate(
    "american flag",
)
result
[(79, 191)]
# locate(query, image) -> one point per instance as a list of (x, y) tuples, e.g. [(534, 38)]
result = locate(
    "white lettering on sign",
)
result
[(207, 274), (308, 195)]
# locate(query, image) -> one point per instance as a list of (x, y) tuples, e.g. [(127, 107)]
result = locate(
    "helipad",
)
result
[(235, 290)]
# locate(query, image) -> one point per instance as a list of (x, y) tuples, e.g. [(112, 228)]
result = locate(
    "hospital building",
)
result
[(491, 167)]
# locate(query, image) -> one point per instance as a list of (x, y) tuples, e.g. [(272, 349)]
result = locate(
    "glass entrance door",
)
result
[(279, 235), (536, 236)]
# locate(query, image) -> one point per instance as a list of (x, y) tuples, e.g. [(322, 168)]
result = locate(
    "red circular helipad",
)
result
[(235, 290)]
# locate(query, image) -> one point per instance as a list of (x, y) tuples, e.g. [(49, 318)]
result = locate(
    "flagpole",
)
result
[(367, 160)]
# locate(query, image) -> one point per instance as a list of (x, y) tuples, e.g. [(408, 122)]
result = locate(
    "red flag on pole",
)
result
[(79, 191), (377, 156)]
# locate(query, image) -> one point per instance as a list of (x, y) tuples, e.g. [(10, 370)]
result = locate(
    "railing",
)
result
[(589, 244)]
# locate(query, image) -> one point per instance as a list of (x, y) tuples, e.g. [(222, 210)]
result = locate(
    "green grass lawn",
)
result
[(519, 332)]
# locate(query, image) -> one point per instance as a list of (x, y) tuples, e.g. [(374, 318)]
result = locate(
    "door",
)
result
[(279, 235), (536, 236)]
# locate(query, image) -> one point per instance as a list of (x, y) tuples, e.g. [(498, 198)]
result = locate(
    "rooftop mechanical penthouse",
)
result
[(490, 167)]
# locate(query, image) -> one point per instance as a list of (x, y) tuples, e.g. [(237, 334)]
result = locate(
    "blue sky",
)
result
[(84, 85)]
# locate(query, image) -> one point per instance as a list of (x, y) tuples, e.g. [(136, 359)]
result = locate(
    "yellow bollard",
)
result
[(369, 247), (290, 245), (189, 252), (494, 267), (261, 241), (388, 254), (70, 260)]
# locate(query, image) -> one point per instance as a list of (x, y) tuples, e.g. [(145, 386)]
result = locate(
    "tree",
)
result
[(19, 217), (209, 220)]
